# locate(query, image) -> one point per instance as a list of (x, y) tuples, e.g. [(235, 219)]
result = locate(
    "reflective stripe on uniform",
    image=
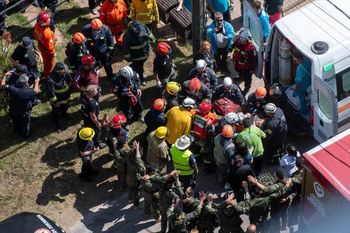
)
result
[(53, 99), (139, 46), (65, 89)]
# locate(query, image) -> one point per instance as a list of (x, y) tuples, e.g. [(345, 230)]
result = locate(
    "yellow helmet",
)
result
[(86, 133), (173, 88), (161, 132)]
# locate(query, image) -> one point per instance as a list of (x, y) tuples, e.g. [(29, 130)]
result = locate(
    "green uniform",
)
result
[(207, 218), (151, 189), (178, 224), (135, 170)]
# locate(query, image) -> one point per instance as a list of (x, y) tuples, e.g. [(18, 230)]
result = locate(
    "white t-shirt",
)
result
[(288, 162)]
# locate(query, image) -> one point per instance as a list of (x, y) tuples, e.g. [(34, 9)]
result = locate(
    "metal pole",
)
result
[(198, 24)]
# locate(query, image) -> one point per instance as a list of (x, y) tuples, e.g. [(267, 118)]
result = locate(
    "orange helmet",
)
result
[(78, 38), (43, 18), (96, 24), (204, 107), (159, 104), (88, 59), (260, 92), (163, 48), (227, 131), (118, 120), (194, 85)]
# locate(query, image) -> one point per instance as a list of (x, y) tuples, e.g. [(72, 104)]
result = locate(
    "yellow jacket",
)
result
[(144, 11), (179, 122)]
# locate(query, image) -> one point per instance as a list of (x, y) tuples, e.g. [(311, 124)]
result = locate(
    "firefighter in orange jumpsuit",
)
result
[(114, 13), (46, 41)]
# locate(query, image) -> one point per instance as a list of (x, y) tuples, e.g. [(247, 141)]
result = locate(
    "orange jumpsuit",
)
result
[(114, 15), (46, 44)]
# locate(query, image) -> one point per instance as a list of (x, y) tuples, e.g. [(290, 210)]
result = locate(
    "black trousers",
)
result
[(97, 137), (130, 110), (221, 58), (21, 123), (246, 76), (138, 67), (258, 164), (86, 168), (57, 111)]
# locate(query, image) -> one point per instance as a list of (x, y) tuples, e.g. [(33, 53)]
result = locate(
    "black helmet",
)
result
[(59, 66), (275, 91)]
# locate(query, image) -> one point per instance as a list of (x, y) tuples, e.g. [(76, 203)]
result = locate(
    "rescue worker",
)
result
[(86, 150), (221, 34), (184, 161), (90, 110), (58, 90), (146, 12), (170, 95), (233, 119), (75, 51), (100, 43), (114, 14), (49, 6), (207, 219), (135, 169), (204, 74), (87, 74), (126, 86), (22, 98), (12, 75), (252, 136), (151, 183), (257, 101), (46, 41), (155, 117), (179, 120), (302, 81), (230, 91), (196, 90), (170, 191), (163, 68), (203, 128), (157, 150), (224, 152), (24, 54), (117, 136), (178, 219), (276, 129), (136, 46), (244, 59)]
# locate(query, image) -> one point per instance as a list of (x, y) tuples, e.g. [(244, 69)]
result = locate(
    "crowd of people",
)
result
[(204, 122)]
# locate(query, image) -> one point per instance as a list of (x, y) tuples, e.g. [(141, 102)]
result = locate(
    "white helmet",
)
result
[(201, 65), (227, 82), (270, 108), (231, 118), (189, 103), (127, 72)]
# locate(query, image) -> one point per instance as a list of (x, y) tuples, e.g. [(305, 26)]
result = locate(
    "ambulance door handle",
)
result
[(321, 123)]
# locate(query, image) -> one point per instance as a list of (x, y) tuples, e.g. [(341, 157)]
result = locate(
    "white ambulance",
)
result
[(320, 31)]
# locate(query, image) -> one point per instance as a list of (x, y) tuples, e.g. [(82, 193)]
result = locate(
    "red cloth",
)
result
[(87, 77), (243, 56), (275, 17)]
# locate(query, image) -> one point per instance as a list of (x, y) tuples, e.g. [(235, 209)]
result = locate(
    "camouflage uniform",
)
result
[(135, 170), (151, 189), (179, 223), (207, 219)]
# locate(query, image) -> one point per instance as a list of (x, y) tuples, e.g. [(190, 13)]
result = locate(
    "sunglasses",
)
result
[(219, 20)]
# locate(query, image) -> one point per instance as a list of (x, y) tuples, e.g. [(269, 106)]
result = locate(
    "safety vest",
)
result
[(181, 161)]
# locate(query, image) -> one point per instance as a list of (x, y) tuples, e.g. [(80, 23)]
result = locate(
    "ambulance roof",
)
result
[(332, 160), (321, 20)]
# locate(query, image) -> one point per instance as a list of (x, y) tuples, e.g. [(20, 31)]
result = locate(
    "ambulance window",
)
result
[(325, 105), (343, 84)]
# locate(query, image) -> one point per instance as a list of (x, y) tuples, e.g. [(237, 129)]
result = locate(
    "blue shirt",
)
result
[(22, 99), (265, 23), (220, 5), (288, 162), (228, 31), (302, 75)]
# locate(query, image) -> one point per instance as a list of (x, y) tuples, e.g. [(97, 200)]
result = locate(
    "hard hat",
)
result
[(96, 24), (194, 85), (204, 107), (227, 131), (161, 132), (189, 103), (201, 65), (260, 92), (231, 118), (88, 59), (183, 142), (275, 91), (118, 120), (59, 66), (227, 82), (163, 48), (127, 72), (270, 108), (78, 38), (159, 104), (43, 18), (172, 88), (86, 133)]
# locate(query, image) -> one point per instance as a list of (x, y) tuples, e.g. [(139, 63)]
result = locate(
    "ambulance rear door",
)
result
[(252, 23)]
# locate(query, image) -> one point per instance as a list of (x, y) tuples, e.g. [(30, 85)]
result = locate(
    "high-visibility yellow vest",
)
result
[(181, 161)]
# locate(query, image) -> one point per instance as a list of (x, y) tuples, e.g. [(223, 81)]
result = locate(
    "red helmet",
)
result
[(163, 48), (159, 104), (43, 18), (194, 85), (204, 107), (78, 38), (88, 59), (118, 120)]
